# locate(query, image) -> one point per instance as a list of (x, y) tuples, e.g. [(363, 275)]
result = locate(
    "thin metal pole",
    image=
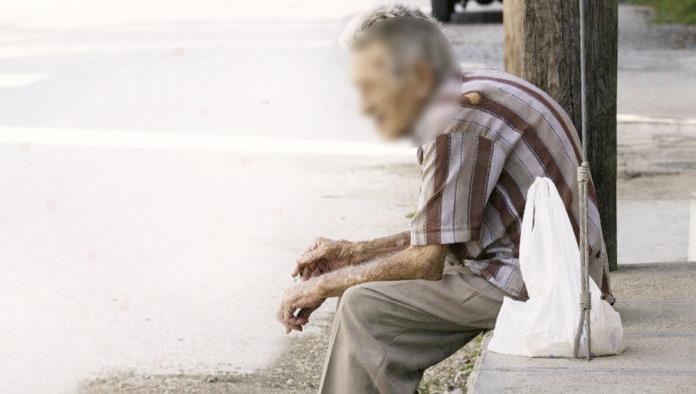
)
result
[(583, 88), (585, 295), (583, 180)]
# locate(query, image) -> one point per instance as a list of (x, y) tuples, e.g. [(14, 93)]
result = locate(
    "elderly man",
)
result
[(412, 299)]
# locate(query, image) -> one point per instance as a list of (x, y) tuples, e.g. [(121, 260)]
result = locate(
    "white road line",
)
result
[(180, 141), (20, 51), (627, 118), (19, 80)]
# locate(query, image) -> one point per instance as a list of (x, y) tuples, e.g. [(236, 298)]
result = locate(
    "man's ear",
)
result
[(424, 78)]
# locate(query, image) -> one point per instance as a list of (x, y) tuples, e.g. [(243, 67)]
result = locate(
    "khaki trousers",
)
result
[(386, 334)]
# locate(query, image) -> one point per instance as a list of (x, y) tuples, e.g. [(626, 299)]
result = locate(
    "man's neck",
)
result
[(437, 112)]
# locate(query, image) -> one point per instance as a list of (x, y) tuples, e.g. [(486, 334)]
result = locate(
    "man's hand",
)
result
[(305, 297), (322, 256), (340, 261)]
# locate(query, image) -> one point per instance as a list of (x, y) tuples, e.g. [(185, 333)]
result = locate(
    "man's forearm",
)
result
[(420, 262), (368, 250)]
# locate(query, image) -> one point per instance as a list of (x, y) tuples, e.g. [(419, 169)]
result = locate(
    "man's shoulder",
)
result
[(503, 107), (475, 79), (507, 89), (507, 97)]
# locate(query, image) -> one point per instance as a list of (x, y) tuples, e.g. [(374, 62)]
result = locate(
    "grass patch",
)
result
[(451, 374), (672, 11)]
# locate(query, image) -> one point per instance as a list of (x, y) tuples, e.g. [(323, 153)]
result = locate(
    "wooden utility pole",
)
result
[(542, 45)]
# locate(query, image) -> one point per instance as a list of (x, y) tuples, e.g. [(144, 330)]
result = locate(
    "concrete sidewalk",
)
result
[(657, 303)]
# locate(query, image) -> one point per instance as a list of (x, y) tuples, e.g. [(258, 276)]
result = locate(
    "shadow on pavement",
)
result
[(493, 16)]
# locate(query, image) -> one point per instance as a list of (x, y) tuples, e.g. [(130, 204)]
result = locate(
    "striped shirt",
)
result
[(500, 134)]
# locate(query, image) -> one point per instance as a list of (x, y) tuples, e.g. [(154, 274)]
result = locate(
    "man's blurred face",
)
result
[(392, 100)]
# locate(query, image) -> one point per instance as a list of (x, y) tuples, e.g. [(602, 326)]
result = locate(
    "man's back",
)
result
[(506, 132)]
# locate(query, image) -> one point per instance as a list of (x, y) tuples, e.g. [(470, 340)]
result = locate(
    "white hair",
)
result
[(360, 23), (408, 32)]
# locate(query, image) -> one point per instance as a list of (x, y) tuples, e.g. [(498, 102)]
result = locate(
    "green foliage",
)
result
[(453, 372), (672, 11)]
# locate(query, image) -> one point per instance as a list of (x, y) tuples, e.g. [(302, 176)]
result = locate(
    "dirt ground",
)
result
[(296, 371), (656, 162)]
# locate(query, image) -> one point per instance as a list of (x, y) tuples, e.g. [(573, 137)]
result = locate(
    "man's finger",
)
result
[(299, 321), (290, 321), (304, 271), (313, 245), (315, 272), (287, 314), (312, 256), (303, 315), (307, 259), (307, 273), (297, 270), (280, 316), (290, 326)]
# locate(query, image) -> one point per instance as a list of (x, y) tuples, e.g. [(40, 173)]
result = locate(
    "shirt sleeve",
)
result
[(459, 171)]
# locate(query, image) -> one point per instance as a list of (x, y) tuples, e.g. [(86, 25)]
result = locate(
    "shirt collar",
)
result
[(438, 112)]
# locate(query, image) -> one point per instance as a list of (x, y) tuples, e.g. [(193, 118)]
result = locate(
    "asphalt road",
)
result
[(216, 70)]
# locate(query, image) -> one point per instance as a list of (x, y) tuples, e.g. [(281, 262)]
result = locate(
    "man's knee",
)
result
[(359, 304)]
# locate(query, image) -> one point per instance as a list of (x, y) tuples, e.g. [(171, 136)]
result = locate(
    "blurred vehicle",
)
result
[(443, 9)]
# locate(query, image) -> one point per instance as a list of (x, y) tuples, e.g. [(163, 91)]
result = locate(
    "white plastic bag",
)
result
[(546, 324)]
